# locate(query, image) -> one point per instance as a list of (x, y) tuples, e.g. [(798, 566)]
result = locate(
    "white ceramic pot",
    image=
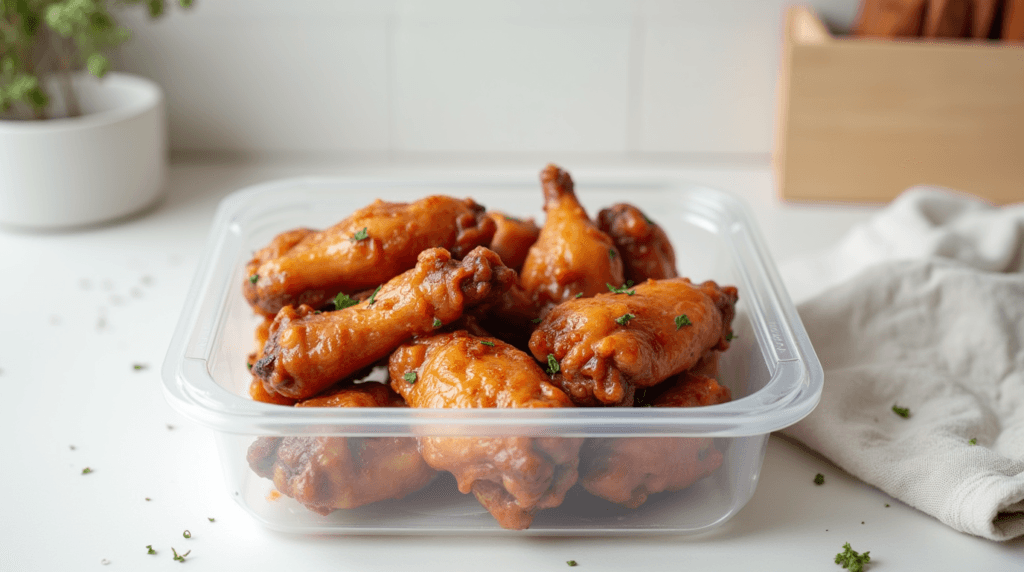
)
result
[(108, 163)]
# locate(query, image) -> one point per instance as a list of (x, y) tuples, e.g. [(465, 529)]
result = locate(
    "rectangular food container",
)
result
[(771, 369)]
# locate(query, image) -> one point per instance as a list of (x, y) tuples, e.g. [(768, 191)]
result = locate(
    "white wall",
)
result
[(613, 77)]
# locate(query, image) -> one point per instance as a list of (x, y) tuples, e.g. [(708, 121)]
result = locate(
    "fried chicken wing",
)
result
[(627, 470), (512, 477), (644, 246), (308, 351), (513, 238), (571, 256), (366, 249), (608, 345), (328, 473)]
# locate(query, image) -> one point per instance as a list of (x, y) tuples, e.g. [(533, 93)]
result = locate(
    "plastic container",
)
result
[(771, 368)]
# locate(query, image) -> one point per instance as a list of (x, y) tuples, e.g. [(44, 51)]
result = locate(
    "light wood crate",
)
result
[(864, 119)]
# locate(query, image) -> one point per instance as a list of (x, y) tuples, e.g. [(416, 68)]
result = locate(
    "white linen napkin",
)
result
[(922, 307)]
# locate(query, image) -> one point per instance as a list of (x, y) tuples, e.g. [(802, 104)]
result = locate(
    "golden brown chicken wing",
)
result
[(308, 351), (644, 246), (513, 238), (627, 470), (571, 255), (328, 473), (512, 477), (608, 345), (366, 249)]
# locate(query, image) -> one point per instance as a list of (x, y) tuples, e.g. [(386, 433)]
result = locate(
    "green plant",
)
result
[(53, 38)]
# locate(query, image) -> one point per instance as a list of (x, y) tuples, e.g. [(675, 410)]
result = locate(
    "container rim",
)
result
[(792, 392)]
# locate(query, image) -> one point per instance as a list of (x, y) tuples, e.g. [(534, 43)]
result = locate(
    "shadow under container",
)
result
[(771, 369)]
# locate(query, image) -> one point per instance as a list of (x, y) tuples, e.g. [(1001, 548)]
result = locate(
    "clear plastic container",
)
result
[(771, 369)]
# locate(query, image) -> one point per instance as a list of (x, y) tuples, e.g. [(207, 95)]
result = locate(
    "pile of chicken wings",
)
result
[(469, 308)]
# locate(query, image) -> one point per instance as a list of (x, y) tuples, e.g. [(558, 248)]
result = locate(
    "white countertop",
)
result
[(83, 308)]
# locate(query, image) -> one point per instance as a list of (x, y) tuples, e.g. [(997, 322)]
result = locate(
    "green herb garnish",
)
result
[(248, 365), (580, 295), (571, 563), (187, 534), (491, 344), (437, 323), (624, 319), (683, 320), (180, 557), (612, 254), (373, 297), (819, 479), (903, 412), (361, 235), (553, 366), (849, 558), (342, 301), (537, 320), (211, 519), (254, 278), (86, 471), (973, 442), (149, 549), (621, 289), (730, 336), (410, 377)]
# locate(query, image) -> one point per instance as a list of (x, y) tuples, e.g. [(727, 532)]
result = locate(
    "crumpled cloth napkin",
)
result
[(922, 307)]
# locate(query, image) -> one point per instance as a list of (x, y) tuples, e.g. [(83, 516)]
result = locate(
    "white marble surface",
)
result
[(81, 309)]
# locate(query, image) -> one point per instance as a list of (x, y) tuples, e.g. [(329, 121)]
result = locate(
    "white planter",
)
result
[(108, 163)]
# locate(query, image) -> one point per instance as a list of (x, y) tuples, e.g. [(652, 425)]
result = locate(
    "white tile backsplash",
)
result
[(332, 77)]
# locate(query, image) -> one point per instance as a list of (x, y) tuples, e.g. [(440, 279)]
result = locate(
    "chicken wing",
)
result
[(366, 249), (608, 345), (627, 470), (512, 477), (571, 255), (644, 246), (328, 473), (513, 238), (308, 351)]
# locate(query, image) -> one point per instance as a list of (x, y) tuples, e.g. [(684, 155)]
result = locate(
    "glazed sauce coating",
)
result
[(645, 248)]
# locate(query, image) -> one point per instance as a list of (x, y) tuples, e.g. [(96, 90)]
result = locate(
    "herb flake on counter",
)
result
[(254, 278), (682, 320), (851, 559), (819, 479), (180, 557), (624, 319), (149, 549), (410, 377), (571, 563), (553, 366), (373, 297), (211, 519), (361, 235), (139, 366), (187, 534), (342, 301), (730, 336), (903, 412), (148, 499), (437, 323), (86, 471), (973, 441)]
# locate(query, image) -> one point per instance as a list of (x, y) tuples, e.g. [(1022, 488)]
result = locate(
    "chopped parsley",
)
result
[(149, 549), (180, 557), (86, 471), (537, 320), (819, 479), (571, 563), (612, 254), (624, 319), (148, 499), (903, 412), (486, 343), (139, 366), (254, 278), (342, 301), (580, 295), (730, 336), (211, 519), (187, 534), (553, 366), (683, 320), (852, 560), (248, 365), (621, 289), (410, 377), (361, 235), (373, 297), (973, 442), (437, 323)]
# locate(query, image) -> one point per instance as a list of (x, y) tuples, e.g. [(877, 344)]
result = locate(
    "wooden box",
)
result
[(863, 119)]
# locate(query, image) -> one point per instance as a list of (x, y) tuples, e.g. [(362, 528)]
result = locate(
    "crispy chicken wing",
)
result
[(627, 470), (644, 246), (571, 255), (513, 238), (308, 351), (366, 249), (328, 473), (608, 345), (512, 477)]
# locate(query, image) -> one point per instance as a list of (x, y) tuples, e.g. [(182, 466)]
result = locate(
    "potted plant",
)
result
[(79, 145)]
